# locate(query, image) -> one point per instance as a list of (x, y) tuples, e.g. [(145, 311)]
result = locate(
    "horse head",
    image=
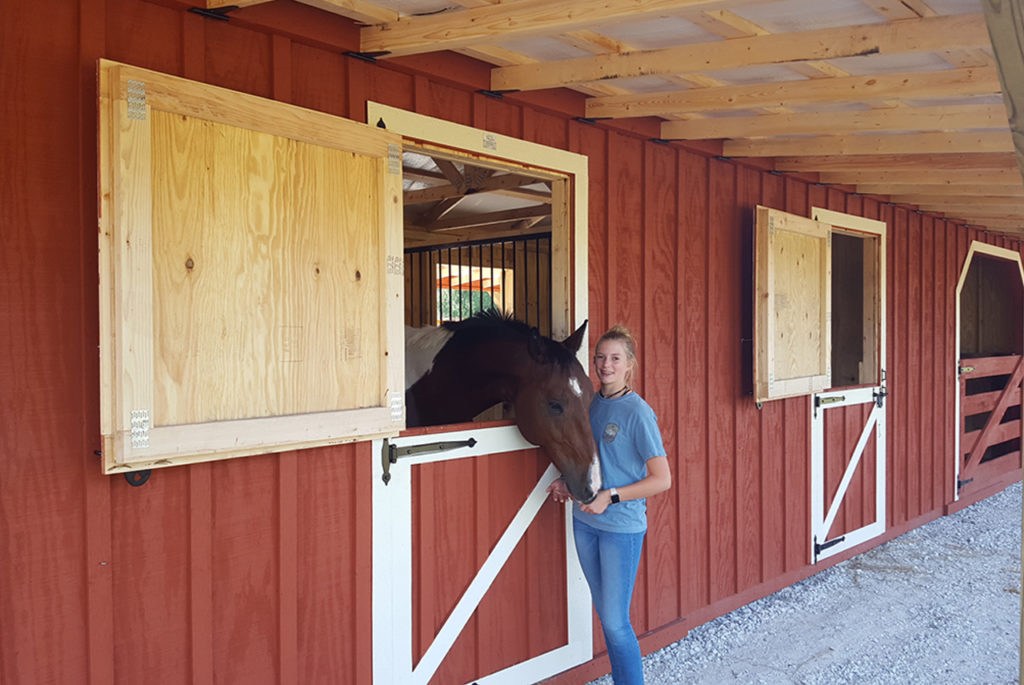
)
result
[(458, 370), (553, 410)]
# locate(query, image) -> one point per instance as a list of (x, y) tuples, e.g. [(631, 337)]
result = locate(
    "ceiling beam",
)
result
[(960, 200), (989, 160), (939, 177), (872, 144), (913, 35), (893, 189), (489, 218), (927, 84), (357, 10), (1016, 210), (509, 21), (507, 184), (858, 121), (1006, 25)]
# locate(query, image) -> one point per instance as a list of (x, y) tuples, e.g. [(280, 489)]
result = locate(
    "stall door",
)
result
[(473, 579), (847, 469), (990, 349), (848, 420)]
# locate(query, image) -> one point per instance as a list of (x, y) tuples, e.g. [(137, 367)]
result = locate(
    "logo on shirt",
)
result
[(610, 431)]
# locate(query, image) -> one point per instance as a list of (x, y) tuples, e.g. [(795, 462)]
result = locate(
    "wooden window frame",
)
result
[(134, 437)]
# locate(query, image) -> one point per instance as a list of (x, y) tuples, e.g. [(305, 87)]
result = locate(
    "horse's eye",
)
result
[(555, 408)]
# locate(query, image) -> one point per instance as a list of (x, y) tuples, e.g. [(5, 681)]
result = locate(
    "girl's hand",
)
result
[(559, 491), (600, 503)]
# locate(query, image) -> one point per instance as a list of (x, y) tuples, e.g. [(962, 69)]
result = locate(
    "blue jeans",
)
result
[(610, 562)]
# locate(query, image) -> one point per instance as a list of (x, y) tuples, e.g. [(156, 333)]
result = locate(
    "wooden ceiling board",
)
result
[(897, 98)]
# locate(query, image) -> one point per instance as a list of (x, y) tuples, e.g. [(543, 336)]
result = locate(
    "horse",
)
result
[(459, 369)]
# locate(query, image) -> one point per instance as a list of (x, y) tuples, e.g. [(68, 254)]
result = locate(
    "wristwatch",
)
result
[(615, 495)]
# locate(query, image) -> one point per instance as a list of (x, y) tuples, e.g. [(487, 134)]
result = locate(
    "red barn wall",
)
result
[(258, 569)]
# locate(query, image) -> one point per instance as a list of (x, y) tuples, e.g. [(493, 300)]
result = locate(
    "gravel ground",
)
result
[(940, 604)]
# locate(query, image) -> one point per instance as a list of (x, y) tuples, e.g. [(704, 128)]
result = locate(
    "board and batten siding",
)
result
[(258, 569)]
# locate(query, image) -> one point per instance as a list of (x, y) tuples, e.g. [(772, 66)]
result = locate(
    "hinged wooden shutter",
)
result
[(792, 305), (250, 274)]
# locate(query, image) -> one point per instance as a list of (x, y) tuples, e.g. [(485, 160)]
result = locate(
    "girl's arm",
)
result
[(659, 479)]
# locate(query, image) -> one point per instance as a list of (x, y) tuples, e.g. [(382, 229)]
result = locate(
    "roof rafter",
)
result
[(921, 162), (872, 144), (928, 84), (912, 35), (892, 119), (510, 20)]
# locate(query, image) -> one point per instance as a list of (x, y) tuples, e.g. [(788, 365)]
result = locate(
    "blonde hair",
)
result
[(620, 333)]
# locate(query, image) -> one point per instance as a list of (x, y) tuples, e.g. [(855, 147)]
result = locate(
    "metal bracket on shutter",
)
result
[(390, 454), (135, 99), (139, 428), (394, 159)]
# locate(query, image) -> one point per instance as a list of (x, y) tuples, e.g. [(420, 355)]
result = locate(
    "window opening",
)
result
[(855, 325), (475, 238)]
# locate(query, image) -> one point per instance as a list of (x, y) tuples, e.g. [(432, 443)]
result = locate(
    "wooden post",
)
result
[(1005, 19)]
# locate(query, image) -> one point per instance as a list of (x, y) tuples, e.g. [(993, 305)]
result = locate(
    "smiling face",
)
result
[(613, 365)]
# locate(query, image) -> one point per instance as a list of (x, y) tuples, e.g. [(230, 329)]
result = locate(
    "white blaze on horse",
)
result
[(458, 370)]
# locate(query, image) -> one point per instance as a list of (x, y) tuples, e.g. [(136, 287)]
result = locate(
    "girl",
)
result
[(609, 532)]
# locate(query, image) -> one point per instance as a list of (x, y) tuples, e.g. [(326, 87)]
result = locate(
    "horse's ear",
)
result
[(573, 342), (535, 346)]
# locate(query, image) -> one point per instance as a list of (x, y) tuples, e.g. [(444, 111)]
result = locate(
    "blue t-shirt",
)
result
[(627, 435)]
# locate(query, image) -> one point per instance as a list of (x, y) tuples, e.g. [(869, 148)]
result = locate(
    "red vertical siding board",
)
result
[(239, 58), (245, 570), (914, 415), (150, 542), (658, 351), (593, 142), (625, 235), (319, 80), (723, 358), (797, 439), (930, 387), (748, 418), (442, 101), (950, 363), (773, 499), (499, 116), (99, 599), (332, 551), (200, 557), (43, 594), (691, 480), (143, 34), (544, 129), (358, 630)]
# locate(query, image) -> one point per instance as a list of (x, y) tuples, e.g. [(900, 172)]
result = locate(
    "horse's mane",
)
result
[(493, 322)]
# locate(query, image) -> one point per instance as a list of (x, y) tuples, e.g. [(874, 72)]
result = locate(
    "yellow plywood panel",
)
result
[(250, 256), (792, 305), (258, 308)]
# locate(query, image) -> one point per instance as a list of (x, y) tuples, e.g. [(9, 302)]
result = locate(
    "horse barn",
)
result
[(217, 218)]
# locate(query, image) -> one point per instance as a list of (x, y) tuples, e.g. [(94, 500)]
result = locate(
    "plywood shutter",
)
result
[(250, 274), (792, 305)]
